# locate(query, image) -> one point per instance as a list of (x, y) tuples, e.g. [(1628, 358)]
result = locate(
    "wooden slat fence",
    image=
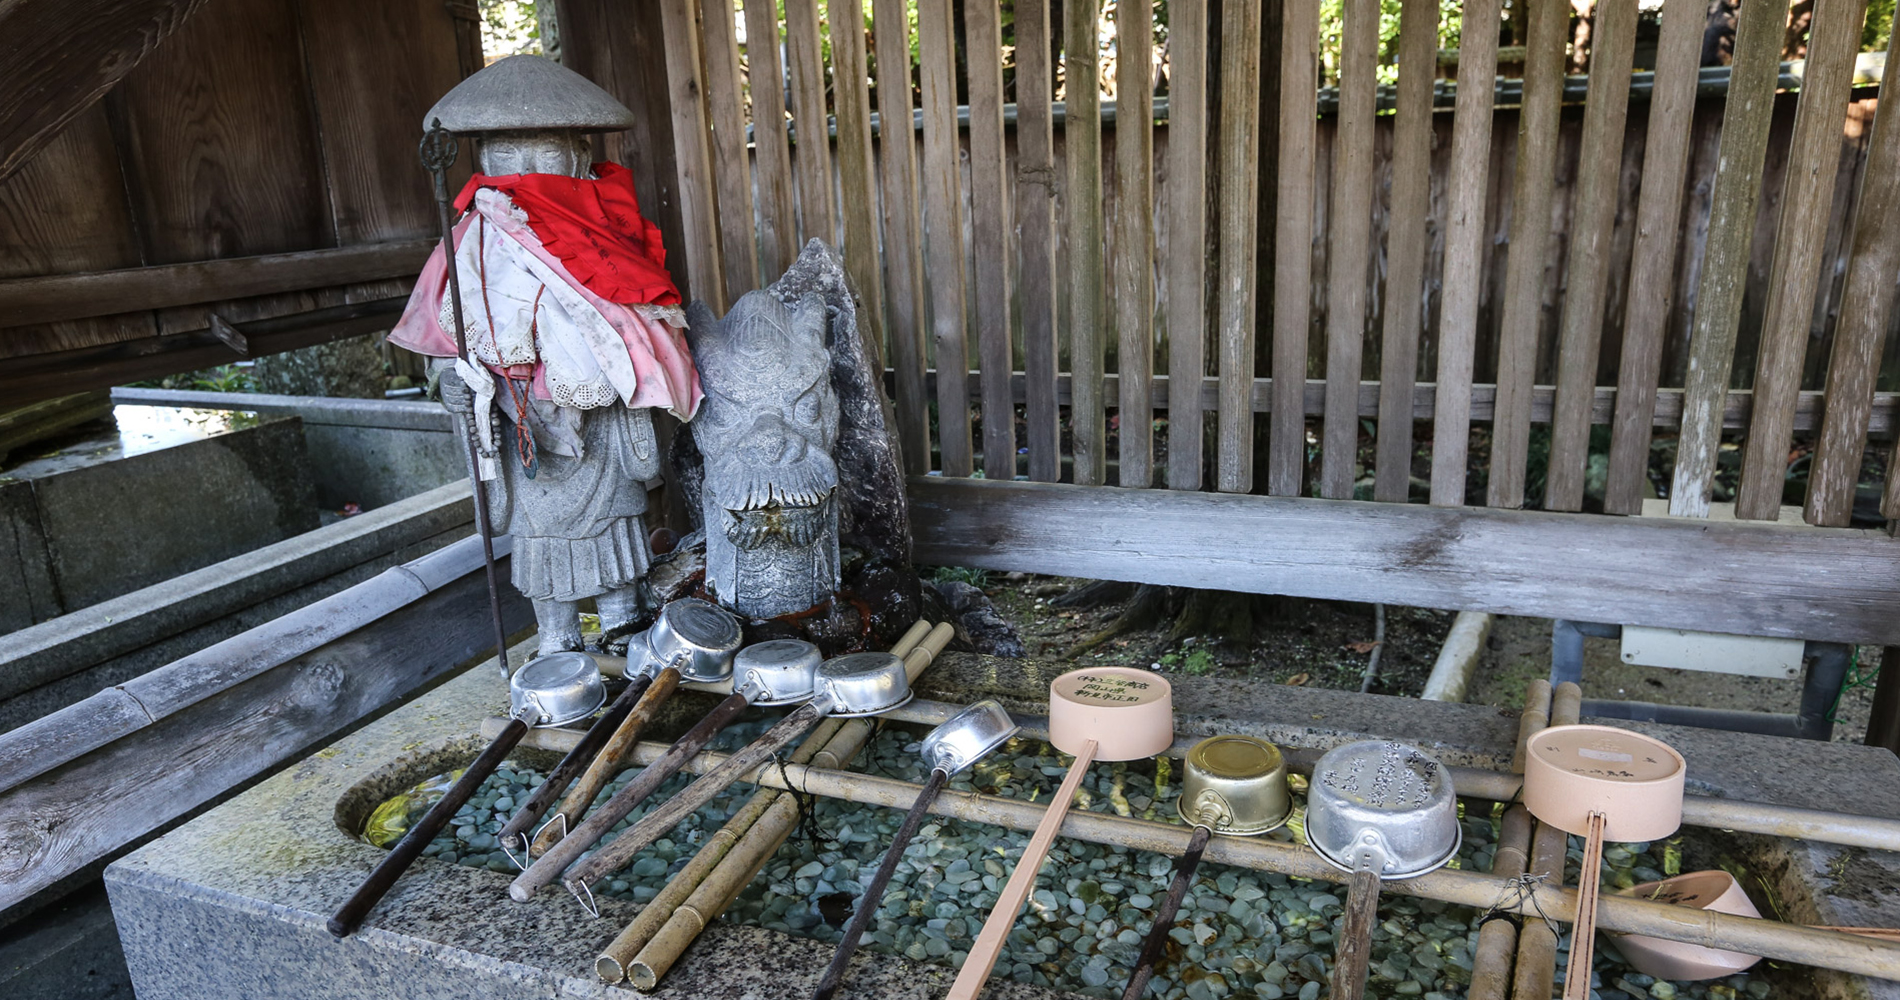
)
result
[(1514, 274)]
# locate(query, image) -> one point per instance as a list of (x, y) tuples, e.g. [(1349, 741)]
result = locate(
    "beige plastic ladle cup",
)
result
[(1600, 783), (1098, 713)]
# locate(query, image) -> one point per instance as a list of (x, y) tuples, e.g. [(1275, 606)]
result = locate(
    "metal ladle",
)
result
[(1380, 810), (1106, 713), (854, 685), (552, 690), (769, 673), (956, 744), (690, 640), (1235, 785)]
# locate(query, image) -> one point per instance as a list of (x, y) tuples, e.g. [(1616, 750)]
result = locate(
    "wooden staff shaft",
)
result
[(608, 761)]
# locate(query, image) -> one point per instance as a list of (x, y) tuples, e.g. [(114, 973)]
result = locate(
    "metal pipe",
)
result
[(1771, 939)]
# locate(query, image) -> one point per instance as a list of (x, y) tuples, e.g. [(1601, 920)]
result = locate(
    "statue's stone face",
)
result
[(766, 431), (552, 152)]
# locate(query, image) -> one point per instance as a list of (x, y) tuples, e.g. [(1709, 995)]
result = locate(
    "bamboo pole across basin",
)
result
[(1771, 939), (1704, 811)]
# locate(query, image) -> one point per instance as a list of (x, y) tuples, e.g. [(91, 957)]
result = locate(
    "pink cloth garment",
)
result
[(662, 363)]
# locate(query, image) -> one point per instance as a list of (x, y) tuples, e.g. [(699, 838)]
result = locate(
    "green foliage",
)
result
[(978, 578), (1878, 30), (1195, 661), (225, 378), (509, 27), (1450, 25)]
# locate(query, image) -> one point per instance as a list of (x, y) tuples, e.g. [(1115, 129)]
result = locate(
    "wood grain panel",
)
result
[(1082, 222), (1186, 263), (1349, 242), (698, 199), (1830, 584), (1465, 253), (1134, 236), (1237, 209), (190, 118), (1814, 163), (990, 231), (1866, 307), (1653, 256), (1407, 244), (1718, 304), (1537, 147), (1293, 236), (943, 230), (851, 91), (731, 161), (64, 210), (1035, 177), (778, 209), (903, 234), (375, 68), (66, 55), (811, 151), (1586, 281)]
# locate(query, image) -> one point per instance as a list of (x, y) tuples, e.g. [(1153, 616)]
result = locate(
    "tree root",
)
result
[(1146, 609)]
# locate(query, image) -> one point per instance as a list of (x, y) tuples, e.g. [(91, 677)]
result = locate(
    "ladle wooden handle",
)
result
[(518, 825), (989, 944), (1353, 957), (873, 895), (349, 916), (668, 815), (607, 762), (549, 866), (1164, 917), (1583, 933)]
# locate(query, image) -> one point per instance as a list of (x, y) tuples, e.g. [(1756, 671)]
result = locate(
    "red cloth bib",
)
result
[(594, 227)]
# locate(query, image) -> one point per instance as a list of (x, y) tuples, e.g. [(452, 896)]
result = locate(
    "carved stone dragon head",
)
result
[(767, 430)]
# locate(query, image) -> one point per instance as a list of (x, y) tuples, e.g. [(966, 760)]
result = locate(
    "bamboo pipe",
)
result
[(1491, 961), (611, 966), (918, 648), (1755, 936), (711, 897), (1537, 942), (1496, 953)]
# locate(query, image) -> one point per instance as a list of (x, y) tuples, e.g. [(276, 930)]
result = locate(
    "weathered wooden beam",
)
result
[(1667, 412), (43, 376), (59, 297), (57, 57), (1832, 584), (189, 732)]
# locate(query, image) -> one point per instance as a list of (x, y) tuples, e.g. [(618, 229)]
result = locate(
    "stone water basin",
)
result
[(221, 906), (1241, 933)]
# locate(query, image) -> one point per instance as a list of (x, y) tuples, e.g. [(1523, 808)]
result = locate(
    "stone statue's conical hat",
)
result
[(528, 93)]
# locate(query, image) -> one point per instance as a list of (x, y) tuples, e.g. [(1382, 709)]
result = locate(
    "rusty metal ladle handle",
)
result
[(1184, 868)]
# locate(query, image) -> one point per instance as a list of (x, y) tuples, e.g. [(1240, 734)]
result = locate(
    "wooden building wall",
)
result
[(264, 146)]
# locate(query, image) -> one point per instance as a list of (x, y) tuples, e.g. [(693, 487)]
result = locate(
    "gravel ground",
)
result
[(1240, 933)]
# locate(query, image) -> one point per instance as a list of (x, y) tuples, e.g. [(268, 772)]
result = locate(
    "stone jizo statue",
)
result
[(574, 328)]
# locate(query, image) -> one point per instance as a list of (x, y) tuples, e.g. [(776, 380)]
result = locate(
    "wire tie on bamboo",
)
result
[(803, 801), (1517, 891)]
